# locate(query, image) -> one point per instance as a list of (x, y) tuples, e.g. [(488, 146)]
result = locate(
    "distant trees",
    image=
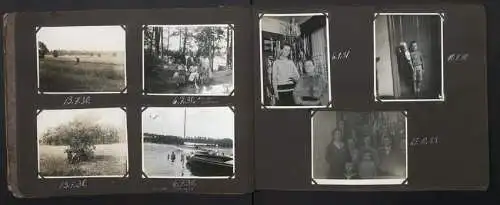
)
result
[(55, 53), (225, 142), (163, 139), (169, 139), (42, 49), (209, 42)]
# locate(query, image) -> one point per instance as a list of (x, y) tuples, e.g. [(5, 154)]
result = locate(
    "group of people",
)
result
[(350, 159), (410, 61), (191, 73), (294, 83)]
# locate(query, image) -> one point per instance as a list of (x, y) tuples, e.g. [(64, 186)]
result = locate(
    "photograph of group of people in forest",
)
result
[(188, 59)]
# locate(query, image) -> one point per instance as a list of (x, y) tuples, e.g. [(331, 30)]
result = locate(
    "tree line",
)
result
[(207, 39), (170, 139), (44, 50), (79, 132)]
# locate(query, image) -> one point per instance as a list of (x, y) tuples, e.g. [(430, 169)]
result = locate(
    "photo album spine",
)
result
[(9, 72)]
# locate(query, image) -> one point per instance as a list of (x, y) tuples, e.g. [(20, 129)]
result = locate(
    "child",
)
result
[(350, 172), (418, 67), (367, 168)]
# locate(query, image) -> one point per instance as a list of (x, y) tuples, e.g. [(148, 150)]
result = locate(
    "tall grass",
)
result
[(109, 160), (68, 76)]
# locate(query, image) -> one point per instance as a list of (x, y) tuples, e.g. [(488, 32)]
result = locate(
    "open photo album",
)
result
[(230, 100)]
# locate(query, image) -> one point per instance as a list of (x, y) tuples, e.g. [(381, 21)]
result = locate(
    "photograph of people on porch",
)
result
[(295, 71)]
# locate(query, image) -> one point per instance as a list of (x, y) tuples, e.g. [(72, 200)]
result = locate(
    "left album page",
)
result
[(129, 101)]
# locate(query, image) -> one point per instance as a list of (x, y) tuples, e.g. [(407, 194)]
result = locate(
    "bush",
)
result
[(81, 137)]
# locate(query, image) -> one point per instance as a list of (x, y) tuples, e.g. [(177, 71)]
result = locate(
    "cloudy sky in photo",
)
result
[(214, 122), (83, 38)]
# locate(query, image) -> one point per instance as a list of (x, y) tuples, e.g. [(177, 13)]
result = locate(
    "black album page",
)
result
[(365, 98), (130, 101)]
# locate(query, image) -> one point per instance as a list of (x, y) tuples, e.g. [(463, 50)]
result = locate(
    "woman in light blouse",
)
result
[(285, 76)]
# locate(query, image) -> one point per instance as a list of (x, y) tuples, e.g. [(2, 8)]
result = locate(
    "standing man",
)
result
[(418, 67)]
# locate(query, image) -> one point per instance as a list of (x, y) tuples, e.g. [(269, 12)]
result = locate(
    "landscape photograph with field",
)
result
[(180, 142), (188, 59), (81, 59), (82, 142)]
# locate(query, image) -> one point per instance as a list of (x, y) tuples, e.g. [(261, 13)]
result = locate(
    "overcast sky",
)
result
[(114, 117), (214, 122), (88, 38)]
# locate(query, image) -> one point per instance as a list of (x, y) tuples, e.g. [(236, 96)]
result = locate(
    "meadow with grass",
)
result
[(82, 148), (96, 72)]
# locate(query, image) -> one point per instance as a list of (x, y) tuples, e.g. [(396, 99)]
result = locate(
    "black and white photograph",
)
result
[(408, 57), (81, 59), (359, 148), (188, 59), (82, 143), (294, 60), (188, 142)]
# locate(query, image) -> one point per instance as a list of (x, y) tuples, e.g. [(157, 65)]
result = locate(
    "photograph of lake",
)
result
[(189, 142), (81, 59), (82, 142)]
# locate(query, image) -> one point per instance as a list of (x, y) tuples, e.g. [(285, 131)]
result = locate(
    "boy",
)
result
[(418, 67)]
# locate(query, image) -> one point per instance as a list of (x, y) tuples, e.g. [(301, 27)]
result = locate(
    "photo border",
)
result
[(231, 93), (261, 68), (364, 182), (122, 91), (43, 177), (441, 96), (146, 176)]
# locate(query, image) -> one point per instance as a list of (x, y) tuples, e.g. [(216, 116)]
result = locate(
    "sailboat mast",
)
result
[(185, 112)]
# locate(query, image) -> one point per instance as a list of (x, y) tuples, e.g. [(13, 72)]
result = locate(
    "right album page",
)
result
[(371, 98)]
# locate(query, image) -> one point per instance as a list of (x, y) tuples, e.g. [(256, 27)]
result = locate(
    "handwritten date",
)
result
[(185, 185), (341, 55), (71, 185), (419, 141), (183, 100), (458, 57), (77, 100)]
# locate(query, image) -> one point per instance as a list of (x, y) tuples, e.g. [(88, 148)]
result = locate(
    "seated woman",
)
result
[(194, 76), (310, 87)]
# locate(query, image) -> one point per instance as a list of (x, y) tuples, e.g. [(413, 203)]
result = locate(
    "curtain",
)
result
[(319, 48), (425, 30)]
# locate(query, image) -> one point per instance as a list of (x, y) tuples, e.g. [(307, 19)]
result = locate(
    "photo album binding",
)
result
[(232, 100)]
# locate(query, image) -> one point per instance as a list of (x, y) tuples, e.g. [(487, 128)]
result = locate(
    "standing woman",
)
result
[(310, 87), (285, 76), (337, 155)]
